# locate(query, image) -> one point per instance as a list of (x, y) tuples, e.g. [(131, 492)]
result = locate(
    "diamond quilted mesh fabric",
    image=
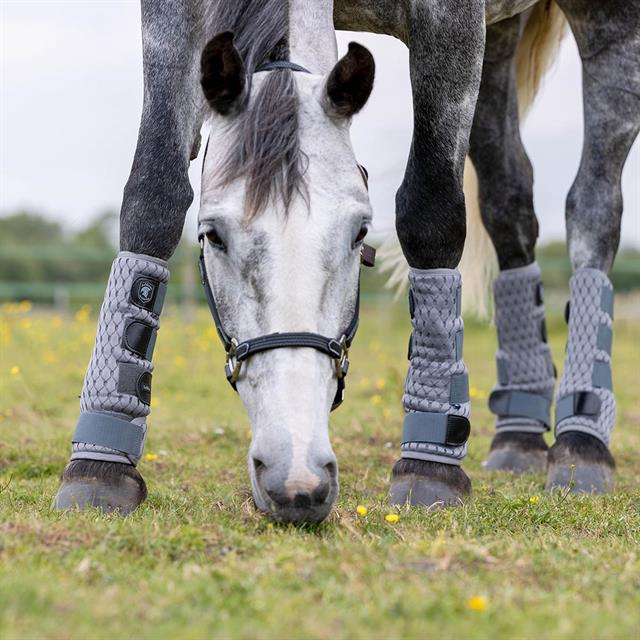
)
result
[(586, 316), (100, 390), (435, 357), (524, 358)]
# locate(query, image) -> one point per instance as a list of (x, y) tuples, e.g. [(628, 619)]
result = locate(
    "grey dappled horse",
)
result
[(284, 212)]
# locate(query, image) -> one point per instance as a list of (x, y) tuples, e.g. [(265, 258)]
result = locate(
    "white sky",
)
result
[(71, 96)]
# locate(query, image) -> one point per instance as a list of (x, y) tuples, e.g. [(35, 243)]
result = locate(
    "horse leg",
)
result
[(446, 43), (526, 377), (608, 37), (115, 401)]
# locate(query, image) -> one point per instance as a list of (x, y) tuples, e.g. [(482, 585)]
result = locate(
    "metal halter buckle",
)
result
[(342, 363), (232, 365)]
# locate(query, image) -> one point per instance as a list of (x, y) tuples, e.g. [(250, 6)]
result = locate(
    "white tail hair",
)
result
[(537, 49)]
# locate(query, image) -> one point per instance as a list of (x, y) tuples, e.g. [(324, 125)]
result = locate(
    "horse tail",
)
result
[(537, 49)]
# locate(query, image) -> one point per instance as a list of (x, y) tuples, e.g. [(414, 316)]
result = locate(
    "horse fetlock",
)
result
[(116, 394), (423, 483), (109, 486), (517, 452), (436, 398), (522, 397), (581, 463)]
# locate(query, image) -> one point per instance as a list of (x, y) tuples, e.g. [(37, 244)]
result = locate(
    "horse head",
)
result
[(283, 216)]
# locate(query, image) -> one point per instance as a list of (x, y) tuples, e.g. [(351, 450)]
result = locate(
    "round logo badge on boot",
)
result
[(143, 292)]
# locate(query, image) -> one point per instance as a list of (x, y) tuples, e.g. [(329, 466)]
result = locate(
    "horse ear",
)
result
[(223, 74), (350, 82)]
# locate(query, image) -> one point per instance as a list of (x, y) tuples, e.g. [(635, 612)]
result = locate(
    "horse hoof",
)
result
[(517, 452), (581, 463), (109, 486), (422, 483)]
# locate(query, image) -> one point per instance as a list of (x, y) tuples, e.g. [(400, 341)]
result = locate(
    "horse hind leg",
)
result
[(608, 37), (430, 220), (115, 401), (522, 397)]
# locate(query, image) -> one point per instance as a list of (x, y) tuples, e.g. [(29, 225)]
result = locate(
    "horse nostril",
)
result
[(321, 493), (278, 497), (302, 501), (258, 466), (332, 469)]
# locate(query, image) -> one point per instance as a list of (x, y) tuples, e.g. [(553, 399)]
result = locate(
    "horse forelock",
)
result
[(265, 132)]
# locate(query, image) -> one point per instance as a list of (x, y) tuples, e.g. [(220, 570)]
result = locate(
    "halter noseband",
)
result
[(337, 349)]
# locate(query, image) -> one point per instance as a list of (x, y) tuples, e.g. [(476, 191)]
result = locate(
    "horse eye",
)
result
[(215, 240), (364, 229)]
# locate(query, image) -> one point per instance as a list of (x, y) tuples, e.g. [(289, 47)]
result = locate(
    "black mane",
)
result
[(267, 153)]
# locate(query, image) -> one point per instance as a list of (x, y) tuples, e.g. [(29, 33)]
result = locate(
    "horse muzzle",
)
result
[(296, 494)]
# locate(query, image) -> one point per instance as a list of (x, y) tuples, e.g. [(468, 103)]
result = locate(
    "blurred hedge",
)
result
[(42, 261)]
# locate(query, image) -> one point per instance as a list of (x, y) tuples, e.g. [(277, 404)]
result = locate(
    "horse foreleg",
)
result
[(446, 43), (116, 396), (608, 37), (526, 378)]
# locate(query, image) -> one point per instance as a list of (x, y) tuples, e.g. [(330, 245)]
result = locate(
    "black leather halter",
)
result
[(239, 352), (336, 348)]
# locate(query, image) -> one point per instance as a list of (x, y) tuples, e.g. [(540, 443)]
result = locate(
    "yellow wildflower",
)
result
[(25, 306), (386, 412), (82, 315), (362, 510), (380, 382), (180, 361), (534, 499), (15, 370), (477, 603), (376, 399), (392, 517), (151, 456)]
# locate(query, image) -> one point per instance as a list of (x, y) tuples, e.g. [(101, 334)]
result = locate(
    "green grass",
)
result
[(197, 561)]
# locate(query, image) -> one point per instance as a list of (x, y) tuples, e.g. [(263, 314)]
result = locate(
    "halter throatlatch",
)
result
[(238, 352)]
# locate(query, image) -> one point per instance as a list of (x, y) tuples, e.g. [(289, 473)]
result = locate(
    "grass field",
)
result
[(197, 561)]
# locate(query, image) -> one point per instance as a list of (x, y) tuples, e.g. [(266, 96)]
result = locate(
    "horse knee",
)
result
[(506, 205), (153, 213), (158, 192), (431, 223)]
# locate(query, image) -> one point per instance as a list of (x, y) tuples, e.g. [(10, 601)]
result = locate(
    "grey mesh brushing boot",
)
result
[(116, 394), (436, 398), (523, 395), (585, 404)]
